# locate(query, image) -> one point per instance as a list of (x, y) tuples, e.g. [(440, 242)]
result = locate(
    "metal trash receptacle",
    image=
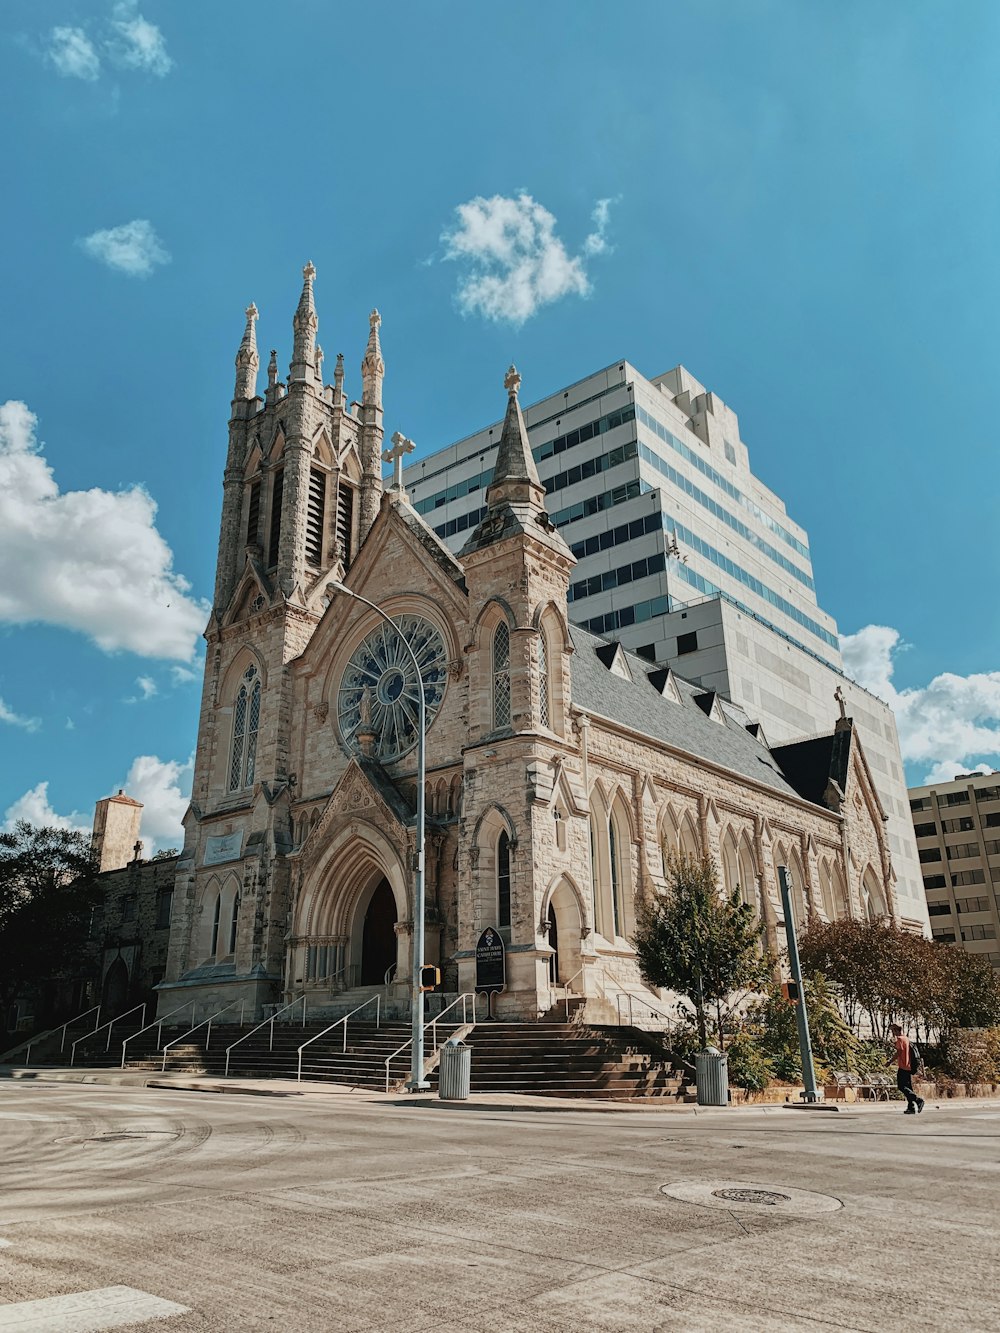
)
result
[(454, 1071), (712, 1077)]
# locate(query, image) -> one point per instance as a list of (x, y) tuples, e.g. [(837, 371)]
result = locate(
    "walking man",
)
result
[(908, 1063)]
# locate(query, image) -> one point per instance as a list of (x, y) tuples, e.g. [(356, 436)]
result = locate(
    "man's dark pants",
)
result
[(904, 1082)]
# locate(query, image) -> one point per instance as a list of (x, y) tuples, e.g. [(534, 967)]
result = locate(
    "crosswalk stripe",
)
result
[(86, 1311)]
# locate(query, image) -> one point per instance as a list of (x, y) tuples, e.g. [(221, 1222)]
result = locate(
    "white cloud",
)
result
[(951, 723), (73, 54), (138, 44), (90, 561), (133, 248), (34, 807), (513, 261), (147, 688), (8, 715), (164, 788), (184, 675), (597, 242)]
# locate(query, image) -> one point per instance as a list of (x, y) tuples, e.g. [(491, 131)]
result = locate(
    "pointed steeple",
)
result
[(247, 360), (372, 366), (304, 326), (515, 476)]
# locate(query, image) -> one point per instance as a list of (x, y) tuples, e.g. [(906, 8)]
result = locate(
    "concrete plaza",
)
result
[(316, 1213)]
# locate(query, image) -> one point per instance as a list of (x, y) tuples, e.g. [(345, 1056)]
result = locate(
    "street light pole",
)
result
[(417, 1082), (810, 1093)]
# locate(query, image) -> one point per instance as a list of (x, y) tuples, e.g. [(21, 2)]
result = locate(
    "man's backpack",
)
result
[(916, 1059)]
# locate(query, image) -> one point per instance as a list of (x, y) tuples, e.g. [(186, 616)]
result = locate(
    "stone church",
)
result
[(560, 769)]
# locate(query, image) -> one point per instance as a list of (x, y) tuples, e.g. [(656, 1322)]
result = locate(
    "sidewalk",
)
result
[(482, 1101)]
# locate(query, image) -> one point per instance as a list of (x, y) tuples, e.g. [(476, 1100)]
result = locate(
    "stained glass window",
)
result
[(246, 720), (543, 680), (379, 691), (503, 880), (501, 675)]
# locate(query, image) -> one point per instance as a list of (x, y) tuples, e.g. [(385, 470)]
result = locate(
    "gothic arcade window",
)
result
[(543, 680), (501, 675), (503, 881), (274, 540), (315, 517), (246, 720), (345, 519), (253, 514), (234, 922)]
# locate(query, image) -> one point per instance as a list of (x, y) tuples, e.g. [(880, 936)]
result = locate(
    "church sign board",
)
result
[(223, 847), (491, 962)]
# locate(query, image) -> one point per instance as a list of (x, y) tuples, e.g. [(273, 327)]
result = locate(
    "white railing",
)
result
[(317, 983), (208, 1037), (158, 1024), (462, 1000), (621, 995), (389, 974), (109, 1025), (568, 988), (94, 1008), (374, 999), (299, 999)]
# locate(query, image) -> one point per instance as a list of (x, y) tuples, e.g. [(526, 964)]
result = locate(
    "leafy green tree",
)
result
[(48, 888), (699, 942)]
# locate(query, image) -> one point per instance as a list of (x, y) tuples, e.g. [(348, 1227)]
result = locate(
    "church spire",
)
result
[(370, 435), (304, 326), (515, 476), (247, 360), (373, 367)]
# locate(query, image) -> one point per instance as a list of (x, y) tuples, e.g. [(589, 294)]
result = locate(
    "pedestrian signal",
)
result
[(430, 978), (790, 990)]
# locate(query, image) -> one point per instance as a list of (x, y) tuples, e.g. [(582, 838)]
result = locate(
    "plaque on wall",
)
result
[(223, 847), (491, 962)]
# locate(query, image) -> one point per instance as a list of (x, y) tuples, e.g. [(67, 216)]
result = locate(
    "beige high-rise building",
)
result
[(957, 826)]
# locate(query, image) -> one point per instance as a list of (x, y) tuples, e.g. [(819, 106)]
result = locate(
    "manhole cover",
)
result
[(752, 1196)]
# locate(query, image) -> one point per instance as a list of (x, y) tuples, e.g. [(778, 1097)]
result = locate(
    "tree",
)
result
[(699, 942), (48, 888)]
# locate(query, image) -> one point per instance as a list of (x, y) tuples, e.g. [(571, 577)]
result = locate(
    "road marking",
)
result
[(86, 1311), (5, 1244)]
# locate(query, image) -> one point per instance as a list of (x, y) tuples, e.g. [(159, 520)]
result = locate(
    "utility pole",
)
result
[(801, 1016)]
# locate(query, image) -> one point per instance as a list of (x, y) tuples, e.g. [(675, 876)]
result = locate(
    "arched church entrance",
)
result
[(564, 933), (115, 990), (554, 946), (378, 938)]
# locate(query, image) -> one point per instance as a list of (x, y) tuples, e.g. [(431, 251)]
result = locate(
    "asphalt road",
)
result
[(139, 1208)]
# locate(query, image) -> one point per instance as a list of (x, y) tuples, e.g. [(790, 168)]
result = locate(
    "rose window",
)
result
[(379, 690)]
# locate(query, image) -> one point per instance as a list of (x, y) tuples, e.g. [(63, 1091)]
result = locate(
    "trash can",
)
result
[(712, 1077), (454, 1071)]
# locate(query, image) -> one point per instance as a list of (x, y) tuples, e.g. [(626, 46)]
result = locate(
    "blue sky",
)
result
[(803, 206)]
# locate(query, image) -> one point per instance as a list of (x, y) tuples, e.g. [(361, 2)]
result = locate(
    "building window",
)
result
[(938, 909), (615, 877), (687, 643), (730, 451), (966, 877), (501, 675), (164, 901), (991, 821), (929, 854), (503, 881), (315, 517), (253, 514), (215, 924), (543, 680), (233, 923), (274, 541), (967, 905), (246, 720), (954, 798), (130, 907), (935, 882), (921, 803), (944, 936), (962, 850), (928, 830), (965, 824), (988, 793)]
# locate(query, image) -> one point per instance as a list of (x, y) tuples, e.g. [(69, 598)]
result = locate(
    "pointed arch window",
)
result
[(616, 876), (501, 675), (503, 881), (234, 922), (253, 514), (215, 924), (246, 721), (315, 517), (277, 495), (543, 680)]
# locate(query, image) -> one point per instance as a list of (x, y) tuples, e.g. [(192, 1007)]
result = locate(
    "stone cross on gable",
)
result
[(400, 447), (838, 694)]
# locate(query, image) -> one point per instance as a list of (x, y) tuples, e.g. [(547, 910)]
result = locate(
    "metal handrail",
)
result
[(68, 1023), (463, 1001), (639, 1000), (270, 1020), (378, 1023), (389, 971), (210, 1020), (566, 987), (330, 976), (109, 1025), (157, 1023)]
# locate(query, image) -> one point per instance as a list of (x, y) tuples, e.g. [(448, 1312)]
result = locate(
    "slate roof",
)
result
[(430, 541), (811, 763), (637, 704)]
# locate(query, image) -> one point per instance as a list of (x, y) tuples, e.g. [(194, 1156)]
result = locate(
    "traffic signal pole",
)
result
[(801, 1016)]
